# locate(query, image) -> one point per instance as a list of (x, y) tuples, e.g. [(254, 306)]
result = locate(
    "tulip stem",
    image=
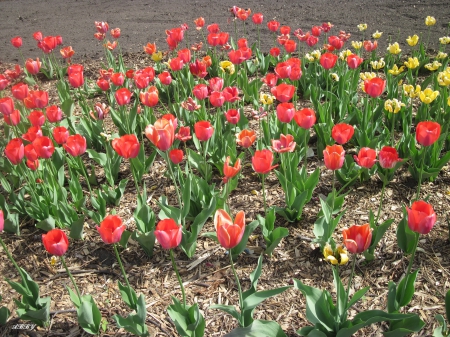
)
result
[(350, 278), (174, 265), (420, 172), (393, 129), (8, 254), (205, 151), (174, 181), (63, 261), (411, 260), (124, 274), (306, 131), (381, 202), (83, 169), (264, 192), (241, 301)]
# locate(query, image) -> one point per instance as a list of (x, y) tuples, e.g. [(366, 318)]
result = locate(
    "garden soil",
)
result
[(208, 277)]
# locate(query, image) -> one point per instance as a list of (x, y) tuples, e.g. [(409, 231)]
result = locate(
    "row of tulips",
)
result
[(207, 94)]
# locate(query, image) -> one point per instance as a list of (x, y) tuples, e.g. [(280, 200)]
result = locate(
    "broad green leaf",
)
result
[(258, 328)]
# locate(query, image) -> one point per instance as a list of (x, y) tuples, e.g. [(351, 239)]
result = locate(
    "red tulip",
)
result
[(16, 41), (229, 233), (75, 145), (44, 147), (174, 36), (270, 79), (421, 217), (217, 99), (32, 133), (328, 60), (233, 116), (184, 134), (6, 106), (176, 156), (32, 66), (168, 233), (161, 134), (216, 84), (14, 151), (262, 161), (357, 238), (36, 118), (273, 25), (60, 134), (4, 82), (2, 220), (32, 165), (275, 51), (150, 48), (123, 96), (37, 36), (199, 23), (369, 46), (115, 33), (203, 130), (117, 79), (39, 98), (20, 91), (129, 74), (165, 78), (354, 61), (30, 153), (283, 92), (110, 46), (246, 138), (176, 64), (230, 171), (111, 229), (427, 133), (200, 91), (67, 53), (342, 133), (55, 242), (312, 40), (336, 42), (374, 87), (198, 68), (290, 46), (257, 18), (12, 119), (101, 26), (126, 146), (150, 97), (231, 94), (285, 112), (141, 79), (366, 157), (316, 31), (305, 118), (100, 36), (103, 84), (53, 113), (284, 144), (334, 157), (283, 69), (388, 157), (185, 55)]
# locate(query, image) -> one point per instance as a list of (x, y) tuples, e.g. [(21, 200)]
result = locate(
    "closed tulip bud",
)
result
[(342, 133), (374, 87), (273, 25), (6, 105), (12, 119), (421, 217), (161, 134), (55, 242), (328, 60), (334, 157), (262, 161), (388, 157), (366, 157), (305, 118), (44, 147), (14, 151), (357, 238), (126, 146), (229, 232), (75, 145), (283, 92), (20, 91), (150, 97), (176, 156), (111, 229), (200, 91), (16, 41), (427, 133), (168, 233), (53, 113), (217, 99), (203, 130), (354, 61), (123, 96), (257, 18), (60, 134), (285, 112)]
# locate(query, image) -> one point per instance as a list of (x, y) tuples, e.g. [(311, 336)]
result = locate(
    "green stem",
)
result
[(121, 266), (393, 130), (306, 147), (420, 173), (205, 151), (8, 254), (169, 165), (83, 169), (63, 261), (174, 265), (264, 193), (344, 318), (381, 202), (241, 301)]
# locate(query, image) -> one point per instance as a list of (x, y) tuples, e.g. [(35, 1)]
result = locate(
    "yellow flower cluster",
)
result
[(227, 66), (444, 40), (377, 34), (362, 27), (157, 56), (357, 44), (316, 54), (410, 91), (343, 54), (393, 105), (378, 64), (367, 76), (396, 70), (444, 77), (412, 63), (334, 77), (428, 95), (441, 55), (412, 40), (394, 48), (338, 256), (266, 99), (433, 66), (430, 21)]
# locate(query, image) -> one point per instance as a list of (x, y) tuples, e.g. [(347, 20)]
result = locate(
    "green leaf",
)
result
[(447, 305), (356, 296), (342, 299), (168, 212), (47, 224), (188, 320), (89, 316), (255, 299), (4, 315), (275, 238), (406, 238), (99, 158), (146, 241), (76, 229), (258, 328), (128, 295), (186, 197), (74, 297), (229, 309), (243, 244), (405, 289)]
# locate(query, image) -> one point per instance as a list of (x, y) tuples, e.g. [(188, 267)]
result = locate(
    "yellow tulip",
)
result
[(412, 63), (444, 40), (377, 34), (394, 48), (343, 54), (367, 76), (412, 40), (378, 64), (393, 105), (266, 99), (444, 78), (430, 21), (316, 54), (428, 95), (441, 55), (433, 66), (396, 70), (309, 57), (227, 66), (410, 91), (339, 256), (357, 44), (448, 101), (157, 56), (334, 77), (362, 27)]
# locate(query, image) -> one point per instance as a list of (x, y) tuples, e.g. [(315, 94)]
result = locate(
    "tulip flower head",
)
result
[(305, 118), (203, 130), (111, 229), (284, 144), (366, 157), (262, 161), (161, 134), (229, 232), (421, 217), (427, 133), (374, 87), (126, 146), (337, 257), (334, 157), (176, 156), (246, 138), (430, 21), (168, 233), (412, 40), (342, 133), (388, 157), (230, 171), (428, 95), (55, 242), (357, 238)]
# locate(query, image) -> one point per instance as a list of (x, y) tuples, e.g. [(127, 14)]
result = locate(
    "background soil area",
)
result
[(208, 276)]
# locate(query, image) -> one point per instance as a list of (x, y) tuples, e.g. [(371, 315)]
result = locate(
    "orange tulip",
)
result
[(357, 238), (161, 134), (230, 171), (246, 138), (334, 157), (229, 233)]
